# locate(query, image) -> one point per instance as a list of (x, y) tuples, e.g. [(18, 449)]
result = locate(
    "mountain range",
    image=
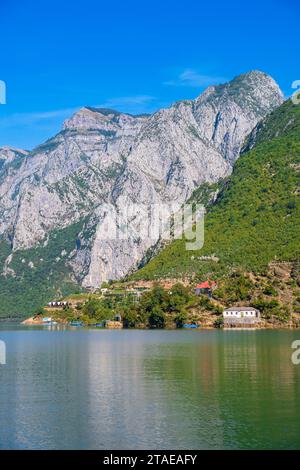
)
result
[(52, 199)]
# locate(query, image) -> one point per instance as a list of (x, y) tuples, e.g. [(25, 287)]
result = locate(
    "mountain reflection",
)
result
[(149, 389)]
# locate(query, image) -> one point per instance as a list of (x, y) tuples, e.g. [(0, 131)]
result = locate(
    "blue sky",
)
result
[(134, 56)]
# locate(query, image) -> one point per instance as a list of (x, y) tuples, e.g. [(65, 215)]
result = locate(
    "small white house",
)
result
[(241, 312), (241, 316), (58, 304)]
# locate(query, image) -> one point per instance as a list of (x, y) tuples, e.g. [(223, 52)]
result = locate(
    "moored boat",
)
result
[(76, 323), (190, 325)]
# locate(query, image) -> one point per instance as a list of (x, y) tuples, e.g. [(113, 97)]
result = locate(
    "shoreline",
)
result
[(61, 325)]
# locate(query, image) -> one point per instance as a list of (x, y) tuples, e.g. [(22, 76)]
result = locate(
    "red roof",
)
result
[(206, 285)]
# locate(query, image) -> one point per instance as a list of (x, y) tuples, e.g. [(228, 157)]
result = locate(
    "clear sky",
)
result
[(134, 55)]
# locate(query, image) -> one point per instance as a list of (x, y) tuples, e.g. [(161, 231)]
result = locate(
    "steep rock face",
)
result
[(65, 178), (103, 156), (11, 175)]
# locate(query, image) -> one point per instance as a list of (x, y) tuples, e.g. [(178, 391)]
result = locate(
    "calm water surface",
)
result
[(97, 389)]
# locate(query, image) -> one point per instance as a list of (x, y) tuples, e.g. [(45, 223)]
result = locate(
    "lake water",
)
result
[(101, 389)]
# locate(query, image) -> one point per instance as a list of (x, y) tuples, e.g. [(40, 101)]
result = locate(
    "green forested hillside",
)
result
[(256, 217), (37, 275)]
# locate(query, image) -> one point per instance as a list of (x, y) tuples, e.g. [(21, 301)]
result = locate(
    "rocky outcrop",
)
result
[(105, 157)]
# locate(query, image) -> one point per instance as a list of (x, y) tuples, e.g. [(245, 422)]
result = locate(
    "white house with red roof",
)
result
[(205, 288)]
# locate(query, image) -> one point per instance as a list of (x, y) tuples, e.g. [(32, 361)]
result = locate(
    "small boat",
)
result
[(190, 325), (76, 323)]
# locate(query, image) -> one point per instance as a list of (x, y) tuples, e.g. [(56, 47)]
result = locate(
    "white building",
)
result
[(58, 304), (241, 316)]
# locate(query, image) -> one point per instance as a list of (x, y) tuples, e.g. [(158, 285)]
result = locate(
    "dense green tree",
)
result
[(178, 296), (181, 318), (157, 317), (130, 317)]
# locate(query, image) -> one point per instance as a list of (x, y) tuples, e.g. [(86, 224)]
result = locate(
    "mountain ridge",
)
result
[(119, 159)]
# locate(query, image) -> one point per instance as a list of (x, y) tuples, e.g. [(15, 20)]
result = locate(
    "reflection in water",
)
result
[(149, 389)]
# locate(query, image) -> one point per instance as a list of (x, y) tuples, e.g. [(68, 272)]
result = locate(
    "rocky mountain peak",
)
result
[(99, 118), (9, 155), (84, 118), (253, 91), (7, 151)]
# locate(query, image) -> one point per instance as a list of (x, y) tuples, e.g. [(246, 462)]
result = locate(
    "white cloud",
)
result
[(135, 104), (29, 119), (130, 100), (26, 130), (130, 104), (191, 78)]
